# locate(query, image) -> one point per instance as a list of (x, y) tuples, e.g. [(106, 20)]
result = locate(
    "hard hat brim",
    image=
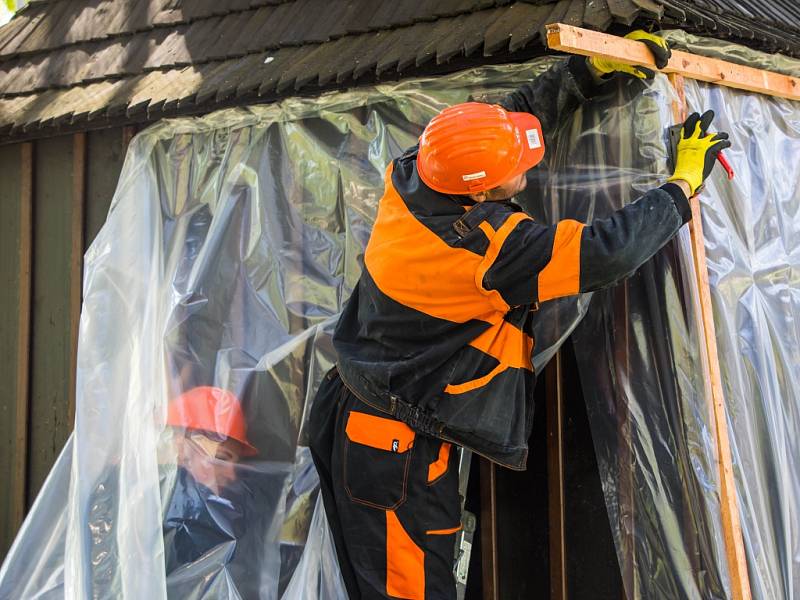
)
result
[(530, 129), (247, 448)]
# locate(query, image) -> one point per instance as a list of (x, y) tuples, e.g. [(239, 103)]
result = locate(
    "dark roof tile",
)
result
[(467, 35), (574, 13), (256, 36), (650, 8), (269, 73), (77, 60), (597, 15), (329, 70), (426, 51), (526, 30), (228, 36), (559, 9), (623, 11)]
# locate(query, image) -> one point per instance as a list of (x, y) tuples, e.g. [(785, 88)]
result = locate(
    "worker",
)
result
[(434, 345)]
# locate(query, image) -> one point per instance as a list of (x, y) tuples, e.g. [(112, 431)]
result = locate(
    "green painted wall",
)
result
[(10, 158)]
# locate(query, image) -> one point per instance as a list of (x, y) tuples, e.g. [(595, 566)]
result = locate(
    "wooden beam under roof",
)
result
[(585, 42)]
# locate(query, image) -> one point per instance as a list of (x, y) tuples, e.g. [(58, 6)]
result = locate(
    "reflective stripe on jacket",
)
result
[(438, 331)]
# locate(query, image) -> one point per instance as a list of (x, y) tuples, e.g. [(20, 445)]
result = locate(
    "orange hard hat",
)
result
[(211, 409), (474, 147)]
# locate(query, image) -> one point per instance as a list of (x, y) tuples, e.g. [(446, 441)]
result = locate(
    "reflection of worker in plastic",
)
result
[(207, 504)]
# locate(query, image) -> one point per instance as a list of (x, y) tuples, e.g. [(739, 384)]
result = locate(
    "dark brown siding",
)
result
[(50, 333), (14, 303), (104, 164), (54, 198)]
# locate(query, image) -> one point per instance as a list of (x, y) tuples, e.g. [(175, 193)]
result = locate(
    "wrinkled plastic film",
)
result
[(751, 227), (640, 352), (640, 367), (210, 297)]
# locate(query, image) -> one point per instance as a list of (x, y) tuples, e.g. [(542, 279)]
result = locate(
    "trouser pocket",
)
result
[(377, 456)]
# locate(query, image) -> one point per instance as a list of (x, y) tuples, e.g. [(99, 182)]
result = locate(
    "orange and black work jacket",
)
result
[(438, 331)]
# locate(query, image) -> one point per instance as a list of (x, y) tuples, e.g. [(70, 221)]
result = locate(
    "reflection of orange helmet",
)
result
[(211, 409), (474, 147)]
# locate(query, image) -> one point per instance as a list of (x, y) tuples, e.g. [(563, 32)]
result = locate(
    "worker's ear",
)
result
[(479, 197)]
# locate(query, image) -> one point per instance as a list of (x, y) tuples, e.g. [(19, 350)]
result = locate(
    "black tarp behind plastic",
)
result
[(641, 363)]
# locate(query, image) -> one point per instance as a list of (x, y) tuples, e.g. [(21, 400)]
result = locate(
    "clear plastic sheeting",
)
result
[(639, 362), (209, 301), (639, 352), (751, 227)]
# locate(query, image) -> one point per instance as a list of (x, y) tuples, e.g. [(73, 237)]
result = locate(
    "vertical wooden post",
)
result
[(491, 589), (555, 479), (127, 135), (729, 507), (20, 484), (76, 260)]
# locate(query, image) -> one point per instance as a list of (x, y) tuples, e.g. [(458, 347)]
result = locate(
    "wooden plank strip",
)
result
[(491, 587), (76, 261), (555, 479), (585, 42), (105, 151), (729, 507), (127, 135), (50, 371), (15, 256), (20, 484)]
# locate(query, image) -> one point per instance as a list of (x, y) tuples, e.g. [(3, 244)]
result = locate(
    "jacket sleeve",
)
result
[(555, 94), (534, 263)]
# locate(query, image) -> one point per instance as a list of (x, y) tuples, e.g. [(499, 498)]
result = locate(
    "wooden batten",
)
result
[(585, 42), (555, 479), (489, 561), (76, 260), (19, 485), (127, 135)]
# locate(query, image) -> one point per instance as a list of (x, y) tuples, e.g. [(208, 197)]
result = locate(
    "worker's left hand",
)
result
[(658, 46)]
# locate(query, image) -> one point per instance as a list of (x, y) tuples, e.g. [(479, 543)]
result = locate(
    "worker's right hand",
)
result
[(698, 150)]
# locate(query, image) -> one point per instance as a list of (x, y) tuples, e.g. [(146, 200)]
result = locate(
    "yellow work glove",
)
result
[(698, 150), (658, 46)]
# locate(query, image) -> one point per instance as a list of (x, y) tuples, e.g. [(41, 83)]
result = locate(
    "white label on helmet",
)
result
[(533, 138), (471, 176)]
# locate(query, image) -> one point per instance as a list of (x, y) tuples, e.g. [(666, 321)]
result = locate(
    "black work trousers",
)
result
[(390, 495)]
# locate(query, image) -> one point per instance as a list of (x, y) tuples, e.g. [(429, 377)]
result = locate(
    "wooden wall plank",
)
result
[(76, 261), (21, 447), (522, 525), (51, 357), (490, 567), (105, 155), (555, 479), (15, 164)]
